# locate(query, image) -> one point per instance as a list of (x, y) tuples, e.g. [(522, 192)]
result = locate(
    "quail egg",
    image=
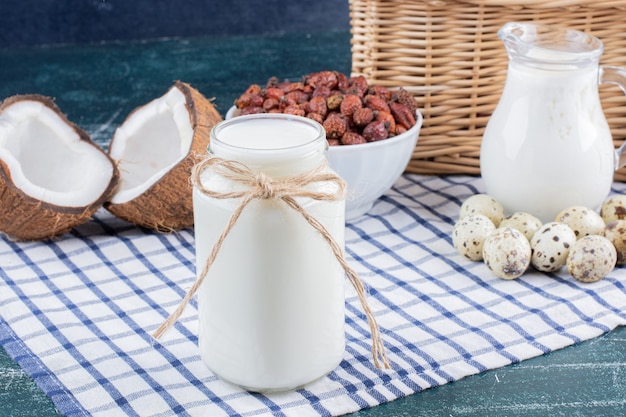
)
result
[(550, 246), (483, 204), (614, 208), (582, 220), (524, 222), (615, 231), (469, 234), (591, 258), (506, 252)]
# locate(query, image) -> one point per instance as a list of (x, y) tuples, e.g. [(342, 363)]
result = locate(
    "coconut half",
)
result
[(52, 176), (155, 149)]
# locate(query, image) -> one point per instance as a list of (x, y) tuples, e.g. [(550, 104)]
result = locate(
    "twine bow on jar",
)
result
[(261, 186)]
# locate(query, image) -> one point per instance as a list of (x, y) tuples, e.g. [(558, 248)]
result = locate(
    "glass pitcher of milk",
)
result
[(547, 145)]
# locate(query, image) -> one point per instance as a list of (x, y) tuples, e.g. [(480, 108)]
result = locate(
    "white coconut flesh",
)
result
[(47, 158), (152, 141)]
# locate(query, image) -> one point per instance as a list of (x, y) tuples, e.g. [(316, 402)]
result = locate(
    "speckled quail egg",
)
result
[(483, 204), (550, 246), (469, 234), (591, 258), (614, 208), (524, 222), (506, 252), (615, 231), (582, 220)]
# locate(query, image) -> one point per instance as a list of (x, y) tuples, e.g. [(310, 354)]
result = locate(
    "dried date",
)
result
[(254, 89), (375, 131), (334, 101), (274, 92), (376, 103), (271, 103), (317, 117), (322, 78), (352, 138), (335, 126), (402, 114), (294, 110), (404, 97), (350, 104), (388, 119), (342, 82), (297, 97), (288, 87), (358, 85), (380, 91), (248, 99), (321, 91), (251, 110), (361, 117), (317, 105)]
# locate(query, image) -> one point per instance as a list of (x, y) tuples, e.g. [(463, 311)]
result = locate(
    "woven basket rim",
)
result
[(547, 4)]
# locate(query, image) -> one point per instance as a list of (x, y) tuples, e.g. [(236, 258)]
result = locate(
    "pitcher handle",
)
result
[(617, 76)]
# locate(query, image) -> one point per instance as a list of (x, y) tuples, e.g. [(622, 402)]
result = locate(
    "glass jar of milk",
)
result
[(547, 145), (271, 307)]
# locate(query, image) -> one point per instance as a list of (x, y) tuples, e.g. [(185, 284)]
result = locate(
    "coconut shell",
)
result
[(167, 205), (23, 217)]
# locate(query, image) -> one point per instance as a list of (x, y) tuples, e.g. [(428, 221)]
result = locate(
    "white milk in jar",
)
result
[(271, 308), (547, 145)]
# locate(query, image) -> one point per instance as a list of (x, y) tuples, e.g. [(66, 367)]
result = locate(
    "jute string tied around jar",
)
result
[(260, 186)]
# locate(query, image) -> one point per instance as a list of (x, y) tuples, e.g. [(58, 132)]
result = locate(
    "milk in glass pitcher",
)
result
[(548, 145)]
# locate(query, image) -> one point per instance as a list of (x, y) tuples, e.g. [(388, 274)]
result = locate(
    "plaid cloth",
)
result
[(77, 313)]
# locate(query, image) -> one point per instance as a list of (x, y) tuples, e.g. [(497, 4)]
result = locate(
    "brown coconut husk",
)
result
[(167, 205), (23, 217)]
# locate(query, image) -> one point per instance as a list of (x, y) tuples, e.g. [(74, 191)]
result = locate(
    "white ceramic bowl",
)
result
[(369, 169)]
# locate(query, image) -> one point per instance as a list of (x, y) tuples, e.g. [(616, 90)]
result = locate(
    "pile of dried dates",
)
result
[(351, 111)]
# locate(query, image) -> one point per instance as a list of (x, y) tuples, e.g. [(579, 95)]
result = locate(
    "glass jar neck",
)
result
[(278, 145)]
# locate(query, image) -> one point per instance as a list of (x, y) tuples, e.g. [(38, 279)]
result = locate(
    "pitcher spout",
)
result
[(512, 35)]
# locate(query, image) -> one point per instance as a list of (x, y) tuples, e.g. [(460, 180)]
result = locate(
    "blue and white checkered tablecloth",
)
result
[(77, 314)]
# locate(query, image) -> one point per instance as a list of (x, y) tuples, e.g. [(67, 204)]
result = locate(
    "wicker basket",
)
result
[(448, 54)]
